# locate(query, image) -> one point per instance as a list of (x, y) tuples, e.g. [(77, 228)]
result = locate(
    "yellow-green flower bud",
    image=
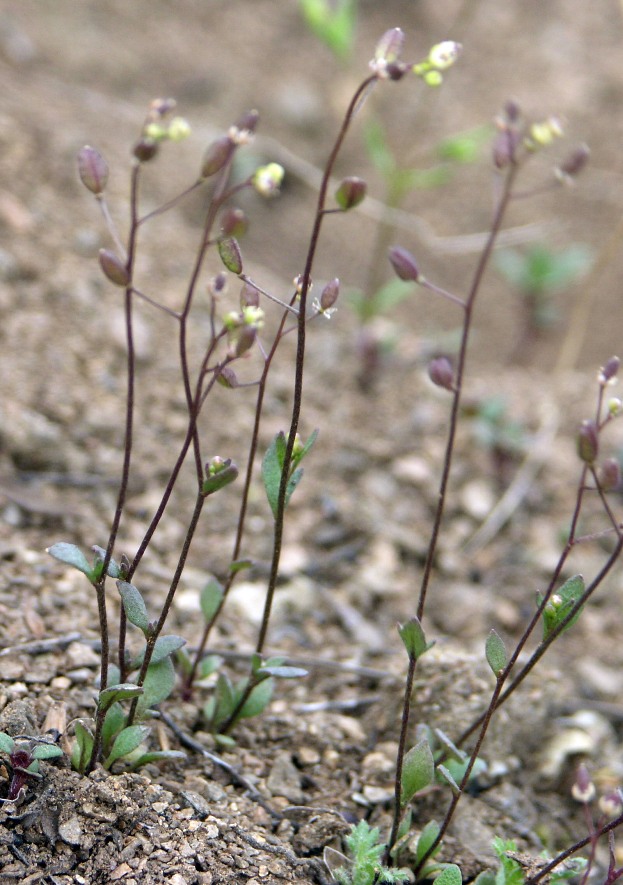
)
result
[(267, 179), (443, 55)]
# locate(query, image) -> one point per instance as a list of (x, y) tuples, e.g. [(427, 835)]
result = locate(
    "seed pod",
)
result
[(588, 442), (249, 296), (229, 250), (248, 120), (234, 222), (93, 169), (404, 264), (576, 161), (114, 269), (441, 373), (145, 149), (217, 155), (350, 193), (609, 371), (330, 294), (610, 475)]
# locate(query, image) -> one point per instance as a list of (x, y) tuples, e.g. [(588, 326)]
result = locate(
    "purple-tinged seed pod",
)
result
[(404, 264), (609, 371), (389, 47), (610, 475), (330, 294), (234, 222), (248, 121), (576, 161), (114, 269), (350, 192), (441, 373), (588, 442), (217, 155), (227, 377), (249, 296), (145, 149), (93, 169)]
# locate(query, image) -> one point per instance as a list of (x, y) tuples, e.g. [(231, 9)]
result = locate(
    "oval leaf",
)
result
[(418, 771), (71, 555), (427, 838), (495, 651), (413, 638), (210, 599), (451, 875), (134, 605), (258, 700), (158, 685), (118, 693), (46, 751), (7, 744), (126, 741), (165, 646)]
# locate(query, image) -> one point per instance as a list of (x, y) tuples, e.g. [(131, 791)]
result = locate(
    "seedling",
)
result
[(23, 754)]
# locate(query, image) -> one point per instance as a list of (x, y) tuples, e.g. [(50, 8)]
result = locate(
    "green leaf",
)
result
[(333, 22), (444, 774), (82, 747), (413, 638), (426, 839), (284, 672), (125, 742), (258, 700), (456, 770), (495, 651), (449, 747), (114, 693), (71, 555), (272, 468), (219, 708), (113, 723), (158, 685), (46, 751), (210, 599), (560, 604), (418, 771), (113, 570), (240, 565), (450, 875), (486, 878), (209, 665), (157, 756), (7, 744), (134, 605), (216, 481), (165, 647)]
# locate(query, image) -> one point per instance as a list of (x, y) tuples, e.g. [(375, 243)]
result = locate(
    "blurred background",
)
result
[(76, 73)]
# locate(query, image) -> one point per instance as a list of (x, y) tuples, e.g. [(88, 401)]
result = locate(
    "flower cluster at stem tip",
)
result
[(386, 63)]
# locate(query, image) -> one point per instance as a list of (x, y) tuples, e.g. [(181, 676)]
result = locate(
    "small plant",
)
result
[(142, 679), (363, 865), (23, 754), (537, 276)]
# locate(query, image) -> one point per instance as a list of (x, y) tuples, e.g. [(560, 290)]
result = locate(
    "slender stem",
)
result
[(464, 780), (164, 613), (402, 746), (298, 381), (123, 485), (460, 372)]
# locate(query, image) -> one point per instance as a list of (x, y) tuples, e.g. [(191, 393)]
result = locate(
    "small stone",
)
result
[(284, 779), (70, 831)]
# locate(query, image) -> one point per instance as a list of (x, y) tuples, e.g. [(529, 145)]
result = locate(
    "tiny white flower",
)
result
[(443, 55)]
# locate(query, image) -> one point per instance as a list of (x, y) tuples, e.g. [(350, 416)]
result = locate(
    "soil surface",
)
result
[(323, 753)]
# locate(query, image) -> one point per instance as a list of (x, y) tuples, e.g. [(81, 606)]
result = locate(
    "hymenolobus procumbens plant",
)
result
[(141, 680), (557, 607)]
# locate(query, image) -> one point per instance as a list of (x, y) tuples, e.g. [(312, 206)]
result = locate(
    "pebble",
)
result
[(285, 780)]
